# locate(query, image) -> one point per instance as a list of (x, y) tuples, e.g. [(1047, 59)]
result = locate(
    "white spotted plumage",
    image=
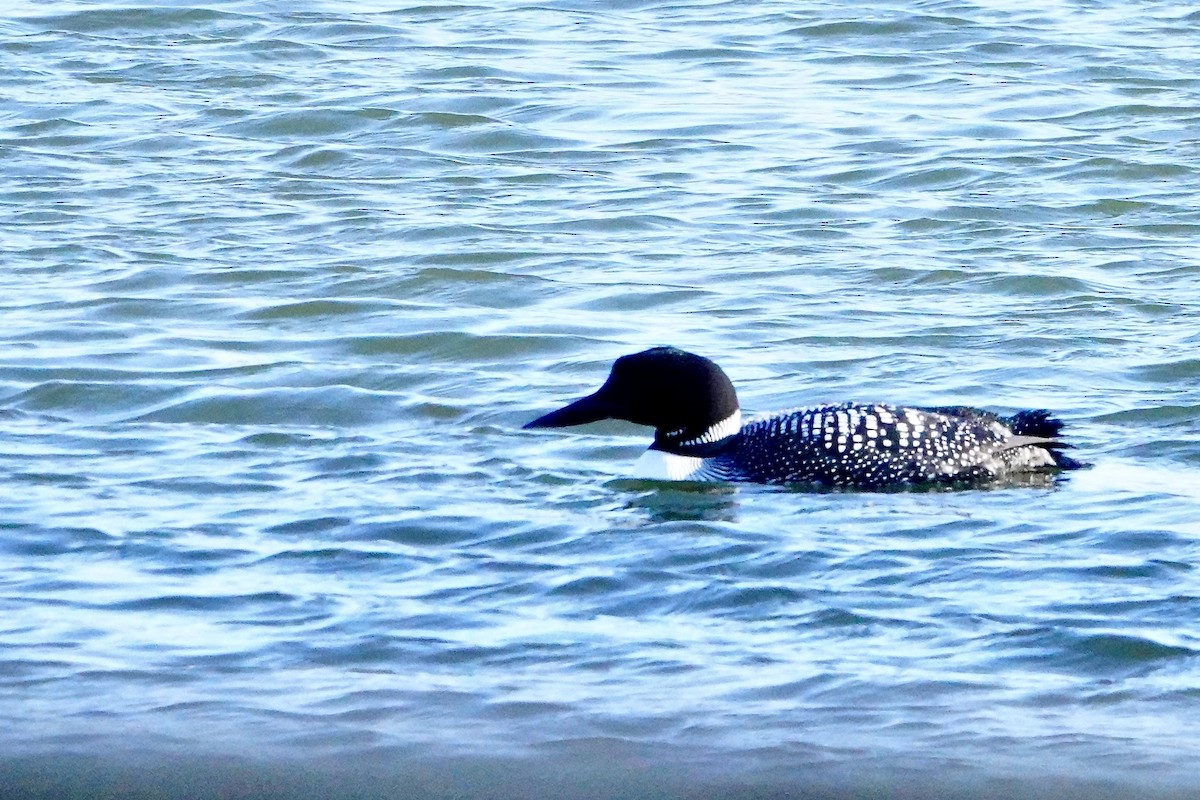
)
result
[(871, 446)]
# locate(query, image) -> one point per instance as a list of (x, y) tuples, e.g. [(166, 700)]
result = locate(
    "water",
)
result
[(282, 283)]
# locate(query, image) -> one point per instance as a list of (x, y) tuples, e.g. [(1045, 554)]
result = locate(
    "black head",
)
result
[(680, 394)]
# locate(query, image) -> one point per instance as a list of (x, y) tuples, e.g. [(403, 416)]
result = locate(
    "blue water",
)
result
[(283, 282)]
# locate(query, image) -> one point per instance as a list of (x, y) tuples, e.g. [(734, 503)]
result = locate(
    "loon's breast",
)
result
[(864, 447)]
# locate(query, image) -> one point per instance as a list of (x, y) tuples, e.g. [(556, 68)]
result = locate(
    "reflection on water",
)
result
[(671, 502)]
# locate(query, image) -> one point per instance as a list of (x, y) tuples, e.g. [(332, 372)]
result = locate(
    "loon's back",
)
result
[(876, 446)]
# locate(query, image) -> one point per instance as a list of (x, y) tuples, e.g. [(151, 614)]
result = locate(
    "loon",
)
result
[(699, 434)]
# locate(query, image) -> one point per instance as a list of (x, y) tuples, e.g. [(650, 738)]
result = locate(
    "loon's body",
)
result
[(699, 433)]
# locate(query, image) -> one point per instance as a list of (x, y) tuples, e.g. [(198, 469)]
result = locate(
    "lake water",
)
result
[(282, 282)]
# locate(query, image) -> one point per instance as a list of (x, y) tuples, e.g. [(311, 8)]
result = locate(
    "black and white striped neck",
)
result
[(711, 441)]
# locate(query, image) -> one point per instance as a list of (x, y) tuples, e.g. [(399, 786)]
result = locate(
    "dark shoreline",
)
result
[(597, 776)]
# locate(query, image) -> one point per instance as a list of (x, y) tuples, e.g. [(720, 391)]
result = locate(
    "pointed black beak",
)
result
[(588, 409)]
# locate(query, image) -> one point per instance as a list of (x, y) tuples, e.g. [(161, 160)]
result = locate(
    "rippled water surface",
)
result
[(282, 282)]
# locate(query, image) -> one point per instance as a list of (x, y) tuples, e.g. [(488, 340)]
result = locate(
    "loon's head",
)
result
[(687, 399)]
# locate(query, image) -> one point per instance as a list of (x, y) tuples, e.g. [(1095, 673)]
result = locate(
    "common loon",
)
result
[(699, 434)]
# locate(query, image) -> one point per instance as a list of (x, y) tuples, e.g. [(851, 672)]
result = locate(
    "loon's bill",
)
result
[(699, 433)]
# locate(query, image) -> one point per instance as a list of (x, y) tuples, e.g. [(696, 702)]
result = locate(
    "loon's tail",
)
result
[(1034, 423), (1041, 424)]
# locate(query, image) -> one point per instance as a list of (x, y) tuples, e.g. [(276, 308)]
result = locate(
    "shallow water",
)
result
[(282, 285)]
